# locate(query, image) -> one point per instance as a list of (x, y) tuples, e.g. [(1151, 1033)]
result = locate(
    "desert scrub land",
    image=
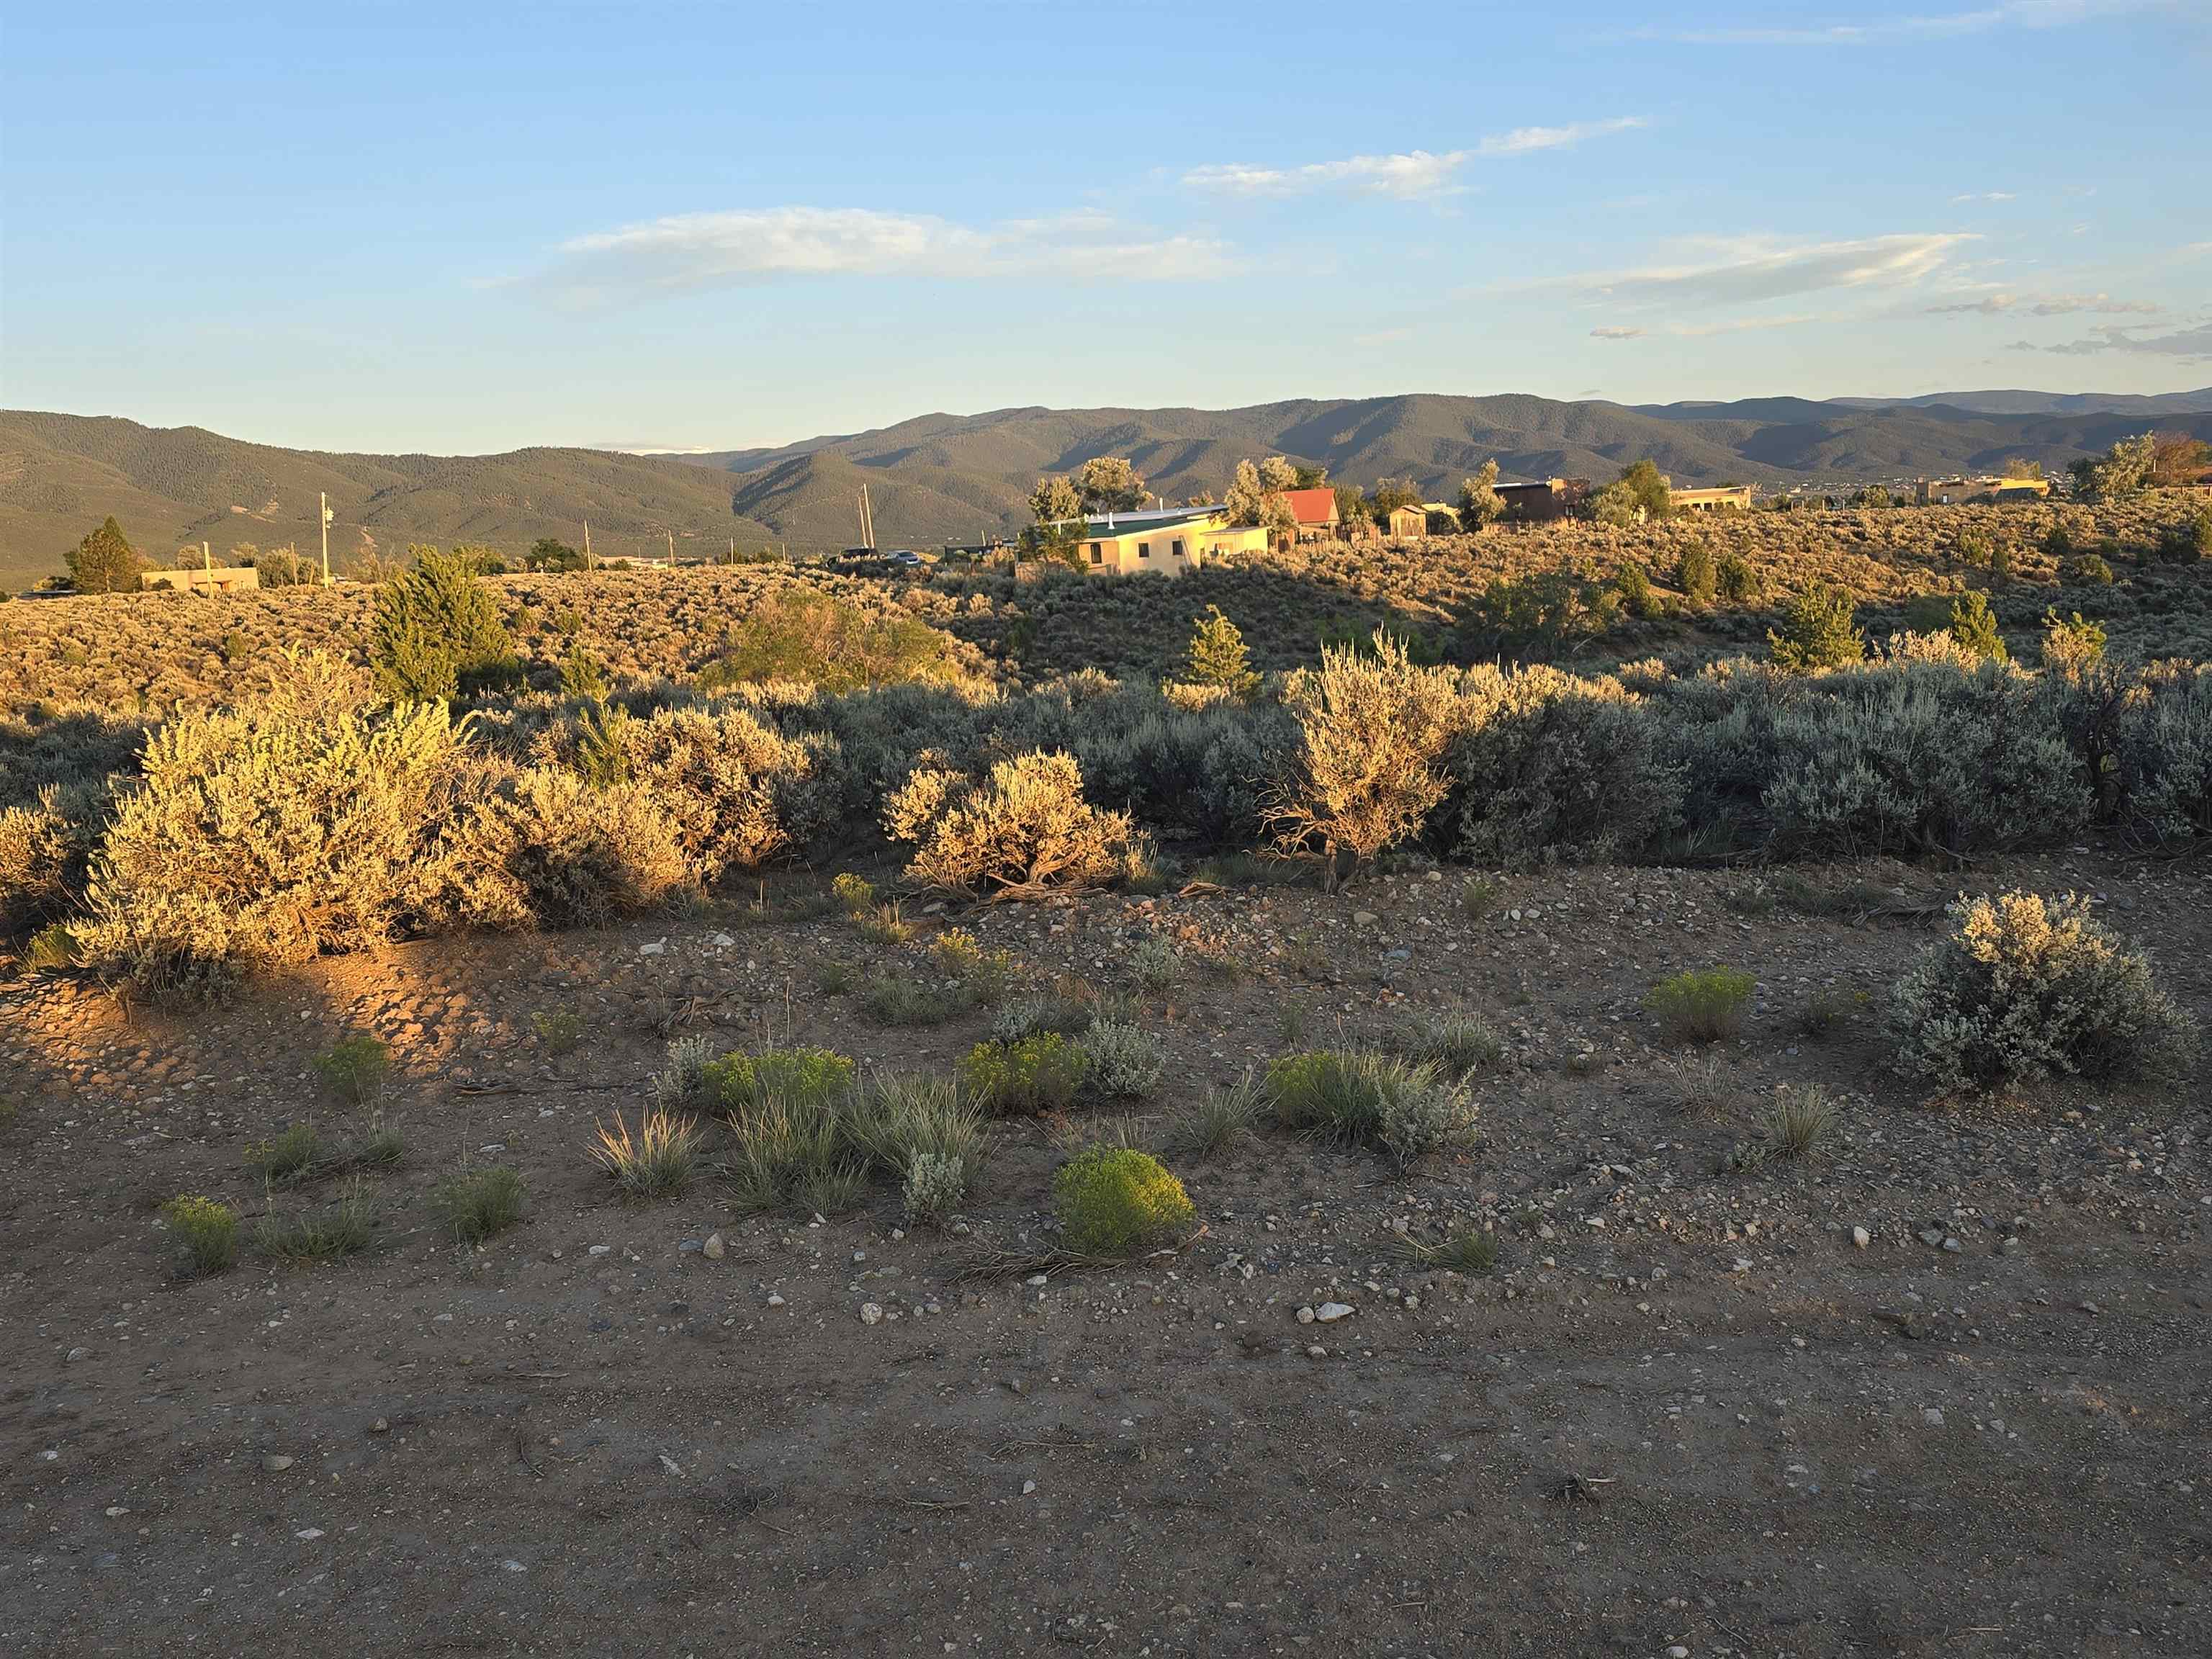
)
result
[(1671, 1366), (780, 1121)]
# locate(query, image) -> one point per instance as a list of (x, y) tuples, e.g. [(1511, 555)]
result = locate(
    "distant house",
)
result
[(1535, 503), (1725, 498), (206, 579), (1165, 541), (1406, 523), (1315, 512), (1955, 492)]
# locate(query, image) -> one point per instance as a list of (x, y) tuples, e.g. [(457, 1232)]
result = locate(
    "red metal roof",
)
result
[(1312, 506)]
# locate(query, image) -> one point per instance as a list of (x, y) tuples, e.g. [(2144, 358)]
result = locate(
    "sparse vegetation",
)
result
[(205, 1231), (478, 1203), (1455, 1041), (1702, 1006), (657, 1161), (1114, 1201), (1799, 1120), (1358, 1097), (354, 1068), (1026, 1077), (325, 1232)]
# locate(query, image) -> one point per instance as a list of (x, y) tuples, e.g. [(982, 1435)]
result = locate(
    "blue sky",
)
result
[(470, 227)]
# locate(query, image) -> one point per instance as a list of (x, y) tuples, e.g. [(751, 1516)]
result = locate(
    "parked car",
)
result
[(904, 556)]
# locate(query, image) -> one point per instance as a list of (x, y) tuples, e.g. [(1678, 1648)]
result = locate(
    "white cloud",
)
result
[(2045, 305), (1744, 270), (1616, 332), (1987, 196), (1383, 337), (1414, 175), (689, 251), (2009, 14)]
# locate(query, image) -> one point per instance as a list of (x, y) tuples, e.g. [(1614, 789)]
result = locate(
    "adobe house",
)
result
[(1950, 492), (1165, 541), (206, 579), (1726, 498), (1537, 503)]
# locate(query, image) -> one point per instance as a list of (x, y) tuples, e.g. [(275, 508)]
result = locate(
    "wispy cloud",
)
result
[(1745, 270), (2009, 14), (2188, 343), (1521, 141), (686, 252), (1383, 337), (1412, 175), (2043, 305), (1987, 196), (1701, 331)]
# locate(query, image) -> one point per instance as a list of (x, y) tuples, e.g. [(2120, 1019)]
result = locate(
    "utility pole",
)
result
[(672, 547), (325, 501), (207, 559), (588, 543)]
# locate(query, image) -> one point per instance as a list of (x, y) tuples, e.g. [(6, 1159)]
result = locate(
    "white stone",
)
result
[(1329, 1312), (871, 1313), (1862, 1237)]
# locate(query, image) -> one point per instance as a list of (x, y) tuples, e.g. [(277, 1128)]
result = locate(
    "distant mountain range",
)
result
[(962, 477)]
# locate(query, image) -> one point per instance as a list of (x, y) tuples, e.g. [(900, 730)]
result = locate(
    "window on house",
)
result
[(1097, 556), (1144, 550), (1175, 551)]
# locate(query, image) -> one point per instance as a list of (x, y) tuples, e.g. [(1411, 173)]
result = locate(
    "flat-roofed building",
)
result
[(1165, 541), (1533, 503), (1725, 498)]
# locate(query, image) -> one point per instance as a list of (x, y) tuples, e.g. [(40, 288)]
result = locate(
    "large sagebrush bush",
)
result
[(1550, 767), (1374, 731), (1024, 828), (2027, 987), (305, 824), (2162, 753), (541, 846), (1917, 758), (736, 791)]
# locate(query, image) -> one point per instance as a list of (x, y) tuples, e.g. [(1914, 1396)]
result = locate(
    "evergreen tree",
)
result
[(436, 633), (104, 562), (1818, 631), (1975, 628), (1699, 578), (1217, 655)]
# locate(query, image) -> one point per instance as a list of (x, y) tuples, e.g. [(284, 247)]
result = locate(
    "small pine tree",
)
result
[(436, 631), (1217, 655), (1698, 578), (1738, 583), (2071, 645), (104, 562), (582, 674), (1975, 627), (1635, 590), (1818, 631)]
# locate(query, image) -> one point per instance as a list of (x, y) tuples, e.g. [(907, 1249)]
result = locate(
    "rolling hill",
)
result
[(963, 478), (61, 474)]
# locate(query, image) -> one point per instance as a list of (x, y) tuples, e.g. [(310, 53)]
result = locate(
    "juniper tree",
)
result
[(1217, 655)]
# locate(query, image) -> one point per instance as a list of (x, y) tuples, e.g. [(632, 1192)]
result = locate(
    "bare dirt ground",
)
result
[(1686, 1413)]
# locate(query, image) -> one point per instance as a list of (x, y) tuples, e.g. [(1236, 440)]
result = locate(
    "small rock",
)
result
[(1305, 1315), (276, 1463), (602, 1250), (1036, 1280), (1932, 1416), (1862, 1237), (871, 1313), (308, 1535), (1364, 918), (1028, 1486), (379, 1427), (712, 1249), (690, 1247), (1329, 1312), (1317, 1352), (1931, 1236)]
